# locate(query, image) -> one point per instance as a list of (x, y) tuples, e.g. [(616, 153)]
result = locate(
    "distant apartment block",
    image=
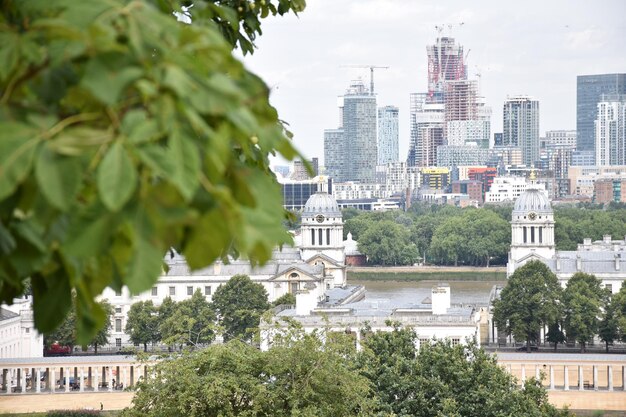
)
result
[(435, 178), (610, 130), (388, 135), (474, 189), (507, 189), (426, 129), (583, 158), (607, 190), (360, 135), (589, 91), (450, 156), (334, 154), (521, 126)]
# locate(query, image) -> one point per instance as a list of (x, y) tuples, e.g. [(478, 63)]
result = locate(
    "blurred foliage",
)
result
[(123, 133)]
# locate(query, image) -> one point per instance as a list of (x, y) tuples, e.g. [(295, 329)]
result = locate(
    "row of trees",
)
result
[(534, 300), (446, 235), (234, 312), (302, 376)]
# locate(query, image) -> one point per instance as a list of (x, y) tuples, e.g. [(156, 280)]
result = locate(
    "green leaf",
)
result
[(59, 177), (117, 178), (186, 161), (55, 287), (89, 234), (156, 158), (209, 240), (145, 267), (17, 150), (106, 80)]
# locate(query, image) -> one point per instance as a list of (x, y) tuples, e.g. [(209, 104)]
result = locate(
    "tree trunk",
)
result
[(555, 345), (95, 348), (607, 346), (528, 346), (487, 261), (582, 347), (456, 260)]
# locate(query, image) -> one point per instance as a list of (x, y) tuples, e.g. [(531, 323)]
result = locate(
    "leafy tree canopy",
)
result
[(240, 304), (142, 323), (583, 300), (123, 133), (529, 301)]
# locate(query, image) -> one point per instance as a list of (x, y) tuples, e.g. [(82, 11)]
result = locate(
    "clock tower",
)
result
[(532, 228), (322, 228)]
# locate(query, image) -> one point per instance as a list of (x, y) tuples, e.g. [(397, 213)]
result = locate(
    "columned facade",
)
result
[(322, 228)]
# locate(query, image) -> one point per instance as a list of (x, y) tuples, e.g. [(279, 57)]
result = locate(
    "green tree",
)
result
[(608, 328), (528, 302), (583, 299), (618, 304), (240, 304), (294, 378), (388, 243), (65, 334), (555, 334), (444, 380), (103, 334), (288, 299), (142, 323), (123, 133), (191, 322)]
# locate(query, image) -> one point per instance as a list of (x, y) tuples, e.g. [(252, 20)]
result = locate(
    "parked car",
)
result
[(56, 349)]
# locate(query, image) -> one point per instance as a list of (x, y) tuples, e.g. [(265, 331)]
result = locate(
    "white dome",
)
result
[(321, 203), (532, 200)]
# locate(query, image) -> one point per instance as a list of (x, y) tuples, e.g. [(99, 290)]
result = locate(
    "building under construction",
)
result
[(445, 63)]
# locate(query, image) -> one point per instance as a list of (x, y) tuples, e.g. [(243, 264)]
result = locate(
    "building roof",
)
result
[(321, 203), (532, 199), (7, 314)]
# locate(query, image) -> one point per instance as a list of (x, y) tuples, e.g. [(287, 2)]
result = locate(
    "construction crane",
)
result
[(371, 67)]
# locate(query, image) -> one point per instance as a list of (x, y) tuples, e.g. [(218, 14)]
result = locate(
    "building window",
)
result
[(118, 342), (27, 330), (118, 325), (609, 287), (525, 240), (154, 291), (207, 290), (532, 234), (118, 309), (293, 287), (189, 290), (118, 293), (541, 235), (455, 341), (312, 236), (328, 237), (172, 290), (319, 232)]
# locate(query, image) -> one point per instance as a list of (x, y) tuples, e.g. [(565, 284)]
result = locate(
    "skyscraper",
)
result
[(589, 89), (387, 135), (427, 125), (521, 126), (359, 130), (467, 119), (610, 130), (445, 63), (334, 154)]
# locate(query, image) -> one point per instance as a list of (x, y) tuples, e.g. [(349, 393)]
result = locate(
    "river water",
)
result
[(403, 293)]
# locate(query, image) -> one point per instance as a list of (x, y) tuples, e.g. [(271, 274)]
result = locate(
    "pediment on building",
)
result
[(323, 258), (533, 256), (295, 273)]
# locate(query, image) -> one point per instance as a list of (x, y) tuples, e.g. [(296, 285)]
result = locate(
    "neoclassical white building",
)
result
[(315, 264), (532, 238), (18, 336)]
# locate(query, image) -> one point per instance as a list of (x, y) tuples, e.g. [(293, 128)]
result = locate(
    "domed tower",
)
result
[(322, 228), (532, 227)]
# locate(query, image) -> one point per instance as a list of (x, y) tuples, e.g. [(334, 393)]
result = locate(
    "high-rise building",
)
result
[(445, 63), (561, 137), (467, 119), (452, 156), (497, 139), (610, 130), (334, 154), (559, 159), (388, 135), (359, 130), (589, 90), (521, 126), (427, 125)]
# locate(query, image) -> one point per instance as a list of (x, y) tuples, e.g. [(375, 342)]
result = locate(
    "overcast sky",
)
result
[(532, 47)]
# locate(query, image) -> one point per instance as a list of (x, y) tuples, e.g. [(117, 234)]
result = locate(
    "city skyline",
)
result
[(303, 64)]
